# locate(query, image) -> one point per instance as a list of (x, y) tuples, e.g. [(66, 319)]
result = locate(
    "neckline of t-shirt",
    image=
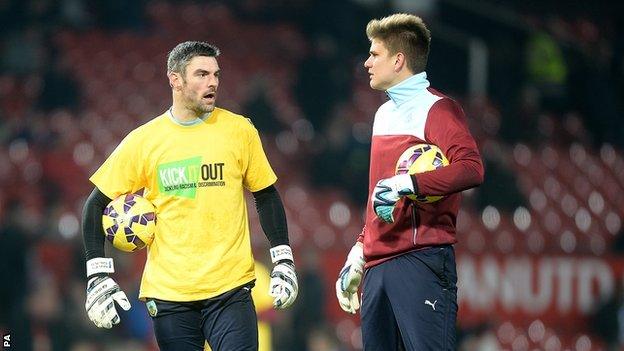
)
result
[(189, 124)]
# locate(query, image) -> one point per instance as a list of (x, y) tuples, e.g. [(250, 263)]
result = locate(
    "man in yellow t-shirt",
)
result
[(194, 162)]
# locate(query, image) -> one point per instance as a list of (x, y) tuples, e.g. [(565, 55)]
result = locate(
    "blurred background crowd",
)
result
[(540, 242)]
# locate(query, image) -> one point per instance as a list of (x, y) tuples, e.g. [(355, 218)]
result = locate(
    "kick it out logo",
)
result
[(182, 178)]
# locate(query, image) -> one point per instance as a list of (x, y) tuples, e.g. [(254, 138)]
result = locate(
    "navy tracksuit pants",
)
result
[(410, 302)]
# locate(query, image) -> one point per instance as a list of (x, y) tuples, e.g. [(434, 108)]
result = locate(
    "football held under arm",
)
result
[(446, 127)]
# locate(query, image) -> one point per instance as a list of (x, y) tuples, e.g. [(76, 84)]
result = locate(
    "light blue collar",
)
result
[(407, 89), (188, 123)]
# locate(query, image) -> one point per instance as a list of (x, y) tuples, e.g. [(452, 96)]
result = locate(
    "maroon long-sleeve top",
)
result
[(417, 114)]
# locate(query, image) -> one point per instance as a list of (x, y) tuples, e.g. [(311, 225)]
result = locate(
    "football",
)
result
[(421, 158), (129, 222)]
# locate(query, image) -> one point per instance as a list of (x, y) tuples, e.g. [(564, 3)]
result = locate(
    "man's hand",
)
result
[(387, 192), (102, 293), (349, 280), (283, 286)]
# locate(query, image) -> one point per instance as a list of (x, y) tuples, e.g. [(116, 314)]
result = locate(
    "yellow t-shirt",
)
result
[(195, 176)]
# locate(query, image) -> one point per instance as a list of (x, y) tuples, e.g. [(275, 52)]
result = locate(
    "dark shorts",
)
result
[(227, 322), (410, 302)]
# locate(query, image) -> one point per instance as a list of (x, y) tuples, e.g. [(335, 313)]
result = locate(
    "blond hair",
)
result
[(404, 33)]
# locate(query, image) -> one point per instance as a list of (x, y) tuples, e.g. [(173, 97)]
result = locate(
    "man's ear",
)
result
[(399, 62), (175, 80)]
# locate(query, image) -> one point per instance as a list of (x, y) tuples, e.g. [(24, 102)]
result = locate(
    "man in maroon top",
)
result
[(409, 294)]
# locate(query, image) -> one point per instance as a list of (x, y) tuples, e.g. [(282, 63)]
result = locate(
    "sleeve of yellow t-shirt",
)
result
[(121, 173), (258, 173)]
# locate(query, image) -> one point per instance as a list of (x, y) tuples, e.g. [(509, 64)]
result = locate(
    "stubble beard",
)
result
[(197, 106), (203, 108)]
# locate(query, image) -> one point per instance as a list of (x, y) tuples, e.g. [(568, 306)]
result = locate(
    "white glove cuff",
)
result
[(356, 256), (281, 252), (403, 181), (100, 265)]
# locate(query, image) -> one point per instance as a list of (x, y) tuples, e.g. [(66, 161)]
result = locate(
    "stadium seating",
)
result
[(573, 191)]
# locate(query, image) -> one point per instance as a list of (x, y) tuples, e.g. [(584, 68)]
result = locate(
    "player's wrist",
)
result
[(282, 254), (99, 279), (414, 183), (99, 266), (356, 255), (286, 262), (403, 184), (96, 278)]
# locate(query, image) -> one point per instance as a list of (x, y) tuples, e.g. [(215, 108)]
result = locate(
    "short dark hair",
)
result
[(405, 33), (179, 57)]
